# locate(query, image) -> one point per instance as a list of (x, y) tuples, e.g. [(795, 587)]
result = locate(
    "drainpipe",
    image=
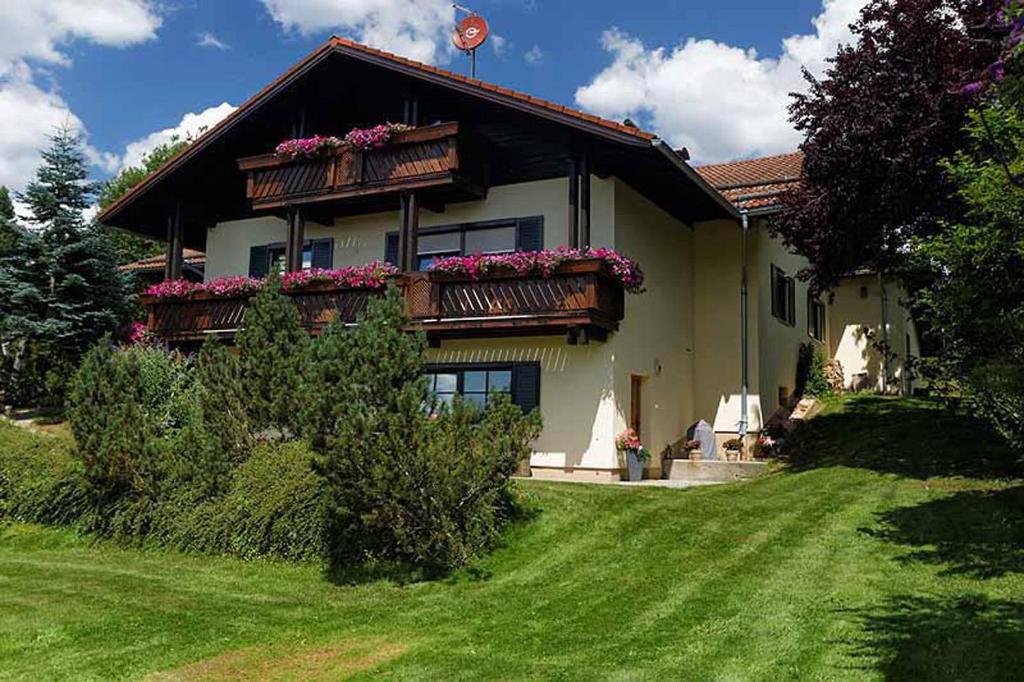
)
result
[(744, 368), (885, 331)]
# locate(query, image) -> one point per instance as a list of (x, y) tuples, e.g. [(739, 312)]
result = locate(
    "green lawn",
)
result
[(861, 560)]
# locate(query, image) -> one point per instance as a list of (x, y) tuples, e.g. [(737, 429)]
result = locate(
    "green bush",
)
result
[(811, 380), (273, 349), (40, 479), (273, 508), (405, 485)]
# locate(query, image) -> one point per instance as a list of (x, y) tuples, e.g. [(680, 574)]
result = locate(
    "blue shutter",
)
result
[(258, 261), (530, 234), (323, 253), (391, 248), (526, 385)]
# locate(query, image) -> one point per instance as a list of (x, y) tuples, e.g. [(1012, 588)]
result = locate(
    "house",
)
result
[(485, 169), (153, 270), (863, 322)]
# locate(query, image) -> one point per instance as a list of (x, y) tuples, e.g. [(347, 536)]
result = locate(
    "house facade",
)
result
[(485, 170)]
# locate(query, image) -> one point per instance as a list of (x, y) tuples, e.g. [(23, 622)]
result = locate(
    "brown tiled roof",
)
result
[(755, 183), (192, 257), (345, 46)]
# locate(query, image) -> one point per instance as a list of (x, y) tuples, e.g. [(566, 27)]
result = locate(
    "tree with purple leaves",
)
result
[(890, 107)]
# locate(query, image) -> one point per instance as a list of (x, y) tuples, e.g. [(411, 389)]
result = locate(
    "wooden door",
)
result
[(636, 384)]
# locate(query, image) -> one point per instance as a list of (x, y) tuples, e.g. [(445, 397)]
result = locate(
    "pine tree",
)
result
[(222, 398), (87, 297), (273, 351)]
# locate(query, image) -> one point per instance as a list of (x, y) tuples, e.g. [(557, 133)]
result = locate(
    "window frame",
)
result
[(816, 314), (473, 226), (461, 368), (787, 315), (282, 247)]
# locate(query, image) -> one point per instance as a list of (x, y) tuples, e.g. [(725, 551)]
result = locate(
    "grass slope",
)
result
[(860, 560)]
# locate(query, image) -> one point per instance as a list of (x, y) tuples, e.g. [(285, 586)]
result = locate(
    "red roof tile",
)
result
[(755, 183), (192, 257)]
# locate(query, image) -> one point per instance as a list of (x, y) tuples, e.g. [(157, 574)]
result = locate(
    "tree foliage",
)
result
[(59, 289), (273, 350), (890, 107)]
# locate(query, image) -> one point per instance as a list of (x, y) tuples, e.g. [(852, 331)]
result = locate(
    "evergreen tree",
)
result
[(273, 349), (222, 399), (87, 295), (8, 228)]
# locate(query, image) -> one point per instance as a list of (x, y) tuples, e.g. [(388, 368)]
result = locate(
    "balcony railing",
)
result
[(580, 299), (426, 159)]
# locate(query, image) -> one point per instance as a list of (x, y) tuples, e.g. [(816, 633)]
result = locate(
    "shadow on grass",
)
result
[(979, 533), (966, 637), (913, 438)]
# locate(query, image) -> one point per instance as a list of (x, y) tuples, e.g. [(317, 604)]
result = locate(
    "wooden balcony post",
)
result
[(408, 235), (296, 239), (584, 230), (174, 258), (573, 240)]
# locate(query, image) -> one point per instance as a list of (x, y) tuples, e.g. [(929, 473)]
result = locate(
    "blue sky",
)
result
[(680, 67)]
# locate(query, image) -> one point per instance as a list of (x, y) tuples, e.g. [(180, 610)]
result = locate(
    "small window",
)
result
[(815, 317), (488, 237), (272, 257), (477, 383), (863, 292), (783, 296), (493, 240)]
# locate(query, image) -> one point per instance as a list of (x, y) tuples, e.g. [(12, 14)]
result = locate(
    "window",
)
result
[(783, 296), (476, 383), (491, 236), (815, 317), (267, 258)]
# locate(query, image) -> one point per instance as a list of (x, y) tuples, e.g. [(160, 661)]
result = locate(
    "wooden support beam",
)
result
[(296, 239), (408, 235), (584, 230), (573, 238), (174, 259)]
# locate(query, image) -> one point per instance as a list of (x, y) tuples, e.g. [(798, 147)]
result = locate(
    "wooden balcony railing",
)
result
[(580, 299), (424, 159)]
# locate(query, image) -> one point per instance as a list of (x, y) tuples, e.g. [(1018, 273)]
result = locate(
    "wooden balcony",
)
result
[(580, 300), (431, 160)]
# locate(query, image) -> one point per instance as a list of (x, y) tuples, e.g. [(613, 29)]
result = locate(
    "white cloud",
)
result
[(35, 29), (413, 28), (498, 43), (33, 32), (191, 124), (720, 101), (209, 40), (534, 55)]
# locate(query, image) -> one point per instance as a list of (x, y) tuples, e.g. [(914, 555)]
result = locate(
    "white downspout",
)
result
[(744, 368), (885, 331)]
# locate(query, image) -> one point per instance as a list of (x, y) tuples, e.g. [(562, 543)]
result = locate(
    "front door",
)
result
[(636, 400)]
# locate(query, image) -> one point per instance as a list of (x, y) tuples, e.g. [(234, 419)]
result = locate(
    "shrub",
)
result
[(222, 396), (811, 380), (403, 484), (273, 508), (273, 350), (40, 479)]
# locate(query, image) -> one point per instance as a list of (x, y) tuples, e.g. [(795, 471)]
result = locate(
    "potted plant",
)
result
[(733, 449), (637, 455), (694, 449), (765, 446)]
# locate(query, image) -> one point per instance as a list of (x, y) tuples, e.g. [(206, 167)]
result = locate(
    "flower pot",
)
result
[(696, 455), (732, 455), (634, 467)]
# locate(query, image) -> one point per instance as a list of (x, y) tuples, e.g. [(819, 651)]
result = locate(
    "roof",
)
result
[(755, 184), (154, 263), (485, 90)]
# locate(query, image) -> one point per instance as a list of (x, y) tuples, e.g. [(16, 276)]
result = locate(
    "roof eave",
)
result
[(695, 177)]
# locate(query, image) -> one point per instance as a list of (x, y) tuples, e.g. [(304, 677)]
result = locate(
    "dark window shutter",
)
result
[(323, 253), (391, 248), (775, 291), (791, 313), (526, 385), (258, 261), (530, 235)]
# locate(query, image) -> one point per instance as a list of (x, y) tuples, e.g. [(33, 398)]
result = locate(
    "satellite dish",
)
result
[(470, 33)]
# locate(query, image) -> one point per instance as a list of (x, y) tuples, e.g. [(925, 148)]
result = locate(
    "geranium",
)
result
[(232, 285), (375, 137), (373, 275), (172, 288), (308, 146), (629, 441), (138, 333), (541, 262)]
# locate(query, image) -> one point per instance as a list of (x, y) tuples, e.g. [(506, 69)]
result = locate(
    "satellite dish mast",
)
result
[(469, 34)]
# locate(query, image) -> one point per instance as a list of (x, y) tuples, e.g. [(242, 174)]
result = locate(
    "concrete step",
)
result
[(711, 470)]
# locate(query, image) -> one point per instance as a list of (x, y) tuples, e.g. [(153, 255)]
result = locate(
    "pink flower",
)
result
[(541, 262), (138, 333), (628, 441)]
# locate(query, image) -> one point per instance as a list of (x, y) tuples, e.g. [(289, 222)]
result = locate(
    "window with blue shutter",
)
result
[(477, 382), (322, 253), (486, 237)]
